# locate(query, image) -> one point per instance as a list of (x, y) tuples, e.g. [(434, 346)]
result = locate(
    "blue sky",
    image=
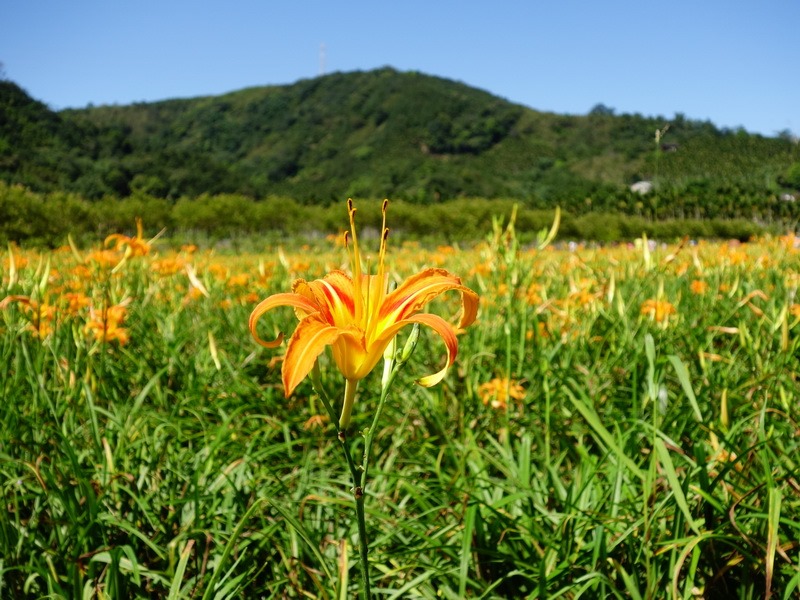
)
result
[(734, 62)]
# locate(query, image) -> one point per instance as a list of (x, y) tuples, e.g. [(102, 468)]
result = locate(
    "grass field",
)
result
[(619, 423)]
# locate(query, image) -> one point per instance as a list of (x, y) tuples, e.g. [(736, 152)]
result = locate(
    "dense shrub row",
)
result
[(31, 218)]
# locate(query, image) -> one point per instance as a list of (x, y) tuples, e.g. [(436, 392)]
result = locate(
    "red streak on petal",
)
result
[(338, 290)]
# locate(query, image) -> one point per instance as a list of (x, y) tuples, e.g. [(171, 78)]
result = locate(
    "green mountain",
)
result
[(385, 133)]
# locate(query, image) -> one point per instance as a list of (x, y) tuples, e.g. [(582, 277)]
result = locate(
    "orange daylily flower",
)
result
[(42, 315), (358, 317), (168, 266), (698, 286), (497, 392), (658, 310), (105, 325), (137, 246), (102, 258), (75, 301)]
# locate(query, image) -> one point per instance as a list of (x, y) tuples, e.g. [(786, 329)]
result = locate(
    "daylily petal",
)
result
[(16, 298), (286, 299), (376, 286), (306, 344), (445, 330), (416, 291), (116, 238), (333, 295), (354, 360), (448, 335), (303, 288), (412, 285), (335, 291), (469, 307)]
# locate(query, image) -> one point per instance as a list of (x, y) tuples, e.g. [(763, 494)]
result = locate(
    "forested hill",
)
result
[(384, 133)]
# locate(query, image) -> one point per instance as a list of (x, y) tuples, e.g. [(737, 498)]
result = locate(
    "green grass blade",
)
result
[(683, 377), (675, 484), (466, 549), (229, 548), (301, 530), (177, 579), (593, 419), (773, 520)]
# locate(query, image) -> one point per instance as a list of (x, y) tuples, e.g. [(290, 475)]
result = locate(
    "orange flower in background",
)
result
[(658, 310), (483, 268), (335, 240), (194, 293), (698, 286), (790, 241), (41, 315), (358, 317), (792, 281), (220, 272), (168, 266), (103, 258), (582, 297), (533, 295), (239, 280), (136, 246), (42, 318), (249, 298), (75, 301), (81, 272), (541, 331), (495, 393), (105, 326)]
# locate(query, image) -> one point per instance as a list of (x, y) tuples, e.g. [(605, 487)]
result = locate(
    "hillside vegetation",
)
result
[(402, 135)]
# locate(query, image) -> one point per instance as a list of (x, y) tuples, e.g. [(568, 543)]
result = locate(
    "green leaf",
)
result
[(683, 377)]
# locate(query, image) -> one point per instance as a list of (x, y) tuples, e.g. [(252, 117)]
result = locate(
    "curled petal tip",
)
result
[(432, 380), (269, 344)]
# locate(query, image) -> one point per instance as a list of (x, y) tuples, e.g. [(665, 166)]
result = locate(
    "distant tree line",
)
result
[(47, 219)]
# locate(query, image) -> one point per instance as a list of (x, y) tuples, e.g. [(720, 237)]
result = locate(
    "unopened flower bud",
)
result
[(411, 343)]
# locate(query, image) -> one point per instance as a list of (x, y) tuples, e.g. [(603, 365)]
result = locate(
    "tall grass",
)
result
[(580, 448)]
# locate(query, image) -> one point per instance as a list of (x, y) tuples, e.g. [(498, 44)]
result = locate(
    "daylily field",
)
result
[(619, 422)]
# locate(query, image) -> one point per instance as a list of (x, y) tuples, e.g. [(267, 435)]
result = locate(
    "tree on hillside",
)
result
[(791, 177), (602, 110)]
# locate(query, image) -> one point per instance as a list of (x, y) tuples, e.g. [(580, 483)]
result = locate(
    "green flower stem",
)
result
[(361, 520), (392, 365), (350, 387), (359, 475), (370, 433), (358, 481)]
